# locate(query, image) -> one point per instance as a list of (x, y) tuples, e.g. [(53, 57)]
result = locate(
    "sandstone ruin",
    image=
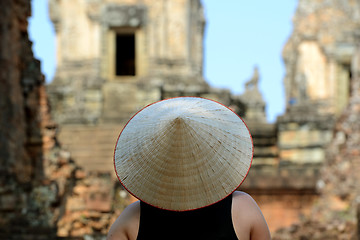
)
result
[(30, 195), (116, 56), (93, 95)]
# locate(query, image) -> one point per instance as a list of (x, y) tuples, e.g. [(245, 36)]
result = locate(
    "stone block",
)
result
[(99, 195), (120, 101), (147, 96), (75, 203), (304, 155), (99, 201), (265, 161), (80, 174), (8, 202), (93, 95), (124, 16), (212, 96), (303, 138), (70, 101), (266, 151), (80, 190)]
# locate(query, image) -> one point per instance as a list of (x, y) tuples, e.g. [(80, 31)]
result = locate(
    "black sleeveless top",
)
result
[(211, 223)]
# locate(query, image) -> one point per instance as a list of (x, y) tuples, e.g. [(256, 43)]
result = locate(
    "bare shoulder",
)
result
[(244, 209), (239, 196), (127, 224), (248, 218)]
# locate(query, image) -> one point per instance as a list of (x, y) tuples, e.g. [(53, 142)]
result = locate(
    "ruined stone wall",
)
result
[(20, 82), (317, 56), (36, 175), (336, 215), (25, 205), (319, 66), (317, 59)]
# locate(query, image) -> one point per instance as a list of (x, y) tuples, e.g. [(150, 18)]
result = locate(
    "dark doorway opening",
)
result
[(125, 55)]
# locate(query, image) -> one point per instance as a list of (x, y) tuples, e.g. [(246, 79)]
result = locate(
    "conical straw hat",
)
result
[(183, 153)]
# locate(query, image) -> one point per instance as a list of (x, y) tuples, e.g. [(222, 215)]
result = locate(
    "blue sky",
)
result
[(239, 35)]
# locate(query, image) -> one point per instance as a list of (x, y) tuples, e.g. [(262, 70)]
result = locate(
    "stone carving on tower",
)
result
[(253, 100)]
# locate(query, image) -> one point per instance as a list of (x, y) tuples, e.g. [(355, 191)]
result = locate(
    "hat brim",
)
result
[(183, 153)]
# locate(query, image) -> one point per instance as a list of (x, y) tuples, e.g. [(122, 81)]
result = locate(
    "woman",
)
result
[(184, 158)]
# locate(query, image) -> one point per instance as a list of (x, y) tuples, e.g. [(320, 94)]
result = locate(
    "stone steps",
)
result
[(264, 139), (91, 147)]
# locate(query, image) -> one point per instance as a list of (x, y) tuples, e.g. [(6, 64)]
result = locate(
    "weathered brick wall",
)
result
[(29, 198), (318, 54), (20, 125), (336, 215), (20, 78)]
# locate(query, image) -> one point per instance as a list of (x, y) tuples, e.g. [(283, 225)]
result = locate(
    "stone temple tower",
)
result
[(116, 56)]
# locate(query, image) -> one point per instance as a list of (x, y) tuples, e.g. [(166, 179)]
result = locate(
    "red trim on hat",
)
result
[(252, 155)]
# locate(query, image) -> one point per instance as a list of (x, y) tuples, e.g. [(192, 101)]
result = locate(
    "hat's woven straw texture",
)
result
[(183, 153)]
